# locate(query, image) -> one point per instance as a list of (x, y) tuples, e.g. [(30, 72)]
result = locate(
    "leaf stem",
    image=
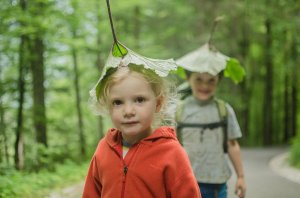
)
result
[(112, 28), (217, 19)]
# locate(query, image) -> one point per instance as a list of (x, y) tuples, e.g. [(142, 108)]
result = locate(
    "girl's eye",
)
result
[(116, 102), (140, 99)]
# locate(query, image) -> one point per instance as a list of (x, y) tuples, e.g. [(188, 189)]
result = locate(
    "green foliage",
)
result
[(14, 184), (295, 152), (234, 70), (46, 158), (180, 73), (119, 50), (158, 29)]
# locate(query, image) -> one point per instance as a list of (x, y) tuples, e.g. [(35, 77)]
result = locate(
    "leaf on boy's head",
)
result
[(181, 73), (206, 59), (234, 70)]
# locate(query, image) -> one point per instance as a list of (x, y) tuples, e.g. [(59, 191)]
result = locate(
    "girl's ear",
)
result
[(159, 103)]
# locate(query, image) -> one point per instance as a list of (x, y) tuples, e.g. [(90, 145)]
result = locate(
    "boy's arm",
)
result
[(235, 157)]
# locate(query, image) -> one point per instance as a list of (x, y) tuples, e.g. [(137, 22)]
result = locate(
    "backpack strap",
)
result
[(178, 115), (223, 116), (223, 121)]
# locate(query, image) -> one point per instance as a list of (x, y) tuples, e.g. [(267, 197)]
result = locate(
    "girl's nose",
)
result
[(129, 110)]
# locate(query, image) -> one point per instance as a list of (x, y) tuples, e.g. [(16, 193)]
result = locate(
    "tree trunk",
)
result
[(294, 107), (23, 61), (295, 84), (3, 141), (268, 100), (78, 102), (99, 63), (1, 129), (290, 92), (39, 109), (287, 129), (244, 46), (19, 144)]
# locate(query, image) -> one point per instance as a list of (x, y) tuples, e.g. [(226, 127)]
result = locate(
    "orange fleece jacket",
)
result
[(156, 167)]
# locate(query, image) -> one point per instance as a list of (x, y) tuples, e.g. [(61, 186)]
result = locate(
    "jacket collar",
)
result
[(114, 136)]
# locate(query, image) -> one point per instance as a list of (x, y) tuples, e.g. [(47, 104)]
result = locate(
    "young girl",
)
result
[(135, 159)]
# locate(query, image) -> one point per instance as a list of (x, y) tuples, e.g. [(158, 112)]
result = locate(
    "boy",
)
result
[(203, 133)]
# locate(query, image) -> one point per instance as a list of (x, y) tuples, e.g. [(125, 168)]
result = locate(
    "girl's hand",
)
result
[(240, 187)]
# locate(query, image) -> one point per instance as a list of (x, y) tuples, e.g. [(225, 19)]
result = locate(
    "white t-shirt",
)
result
[(205, 147)]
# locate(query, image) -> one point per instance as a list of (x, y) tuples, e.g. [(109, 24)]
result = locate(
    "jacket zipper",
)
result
[(125, 170)]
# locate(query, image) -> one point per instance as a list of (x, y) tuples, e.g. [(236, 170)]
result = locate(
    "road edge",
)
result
[(279, 164)]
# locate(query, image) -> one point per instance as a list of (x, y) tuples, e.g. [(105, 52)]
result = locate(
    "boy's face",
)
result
[(132, 105), (203, 85)]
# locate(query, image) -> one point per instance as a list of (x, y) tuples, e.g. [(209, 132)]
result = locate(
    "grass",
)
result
[(14, 184)]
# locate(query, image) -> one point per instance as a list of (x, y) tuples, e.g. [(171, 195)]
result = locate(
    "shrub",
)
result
[(16, 184), (295, 152)]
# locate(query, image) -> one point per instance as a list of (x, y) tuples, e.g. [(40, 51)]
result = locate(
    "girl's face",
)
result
[(132, 105), (203, 85)]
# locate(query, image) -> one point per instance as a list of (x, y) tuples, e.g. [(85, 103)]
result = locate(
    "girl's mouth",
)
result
[(130, 123)]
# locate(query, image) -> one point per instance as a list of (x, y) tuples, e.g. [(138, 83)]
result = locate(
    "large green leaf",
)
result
[(234, 70), (119, 50), (180, 72)]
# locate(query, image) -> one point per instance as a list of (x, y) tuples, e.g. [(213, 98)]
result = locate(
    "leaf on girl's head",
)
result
[(99, 87), (234, 70), (119, 50)]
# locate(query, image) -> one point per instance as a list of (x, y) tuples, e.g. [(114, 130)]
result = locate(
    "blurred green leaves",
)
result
[(234, 70)]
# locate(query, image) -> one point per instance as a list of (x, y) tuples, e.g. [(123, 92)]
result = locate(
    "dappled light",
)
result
[(52, 53)]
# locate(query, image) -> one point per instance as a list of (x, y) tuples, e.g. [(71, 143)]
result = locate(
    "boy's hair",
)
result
[(189, 73), (185, 89), (160, 86)]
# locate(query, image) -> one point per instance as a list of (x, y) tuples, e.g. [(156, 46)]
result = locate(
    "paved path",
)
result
[(263, 181), (74, 191)]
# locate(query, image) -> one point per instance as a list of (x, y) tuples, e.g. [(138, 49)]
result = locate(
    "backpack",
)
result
[(222, 123)]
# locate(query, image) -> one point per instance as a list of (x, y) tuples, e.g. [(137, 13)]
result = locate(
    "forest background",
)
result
[(52, 53)]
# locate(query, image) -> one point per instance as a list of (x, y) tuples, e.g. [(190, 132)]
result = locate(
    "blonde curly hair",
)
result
[(161, 86)]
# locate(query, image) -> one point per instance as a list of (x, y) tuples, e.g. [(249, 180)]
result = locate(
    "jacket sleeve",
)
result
[(92, 187), (184, 183), (186, 186)]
